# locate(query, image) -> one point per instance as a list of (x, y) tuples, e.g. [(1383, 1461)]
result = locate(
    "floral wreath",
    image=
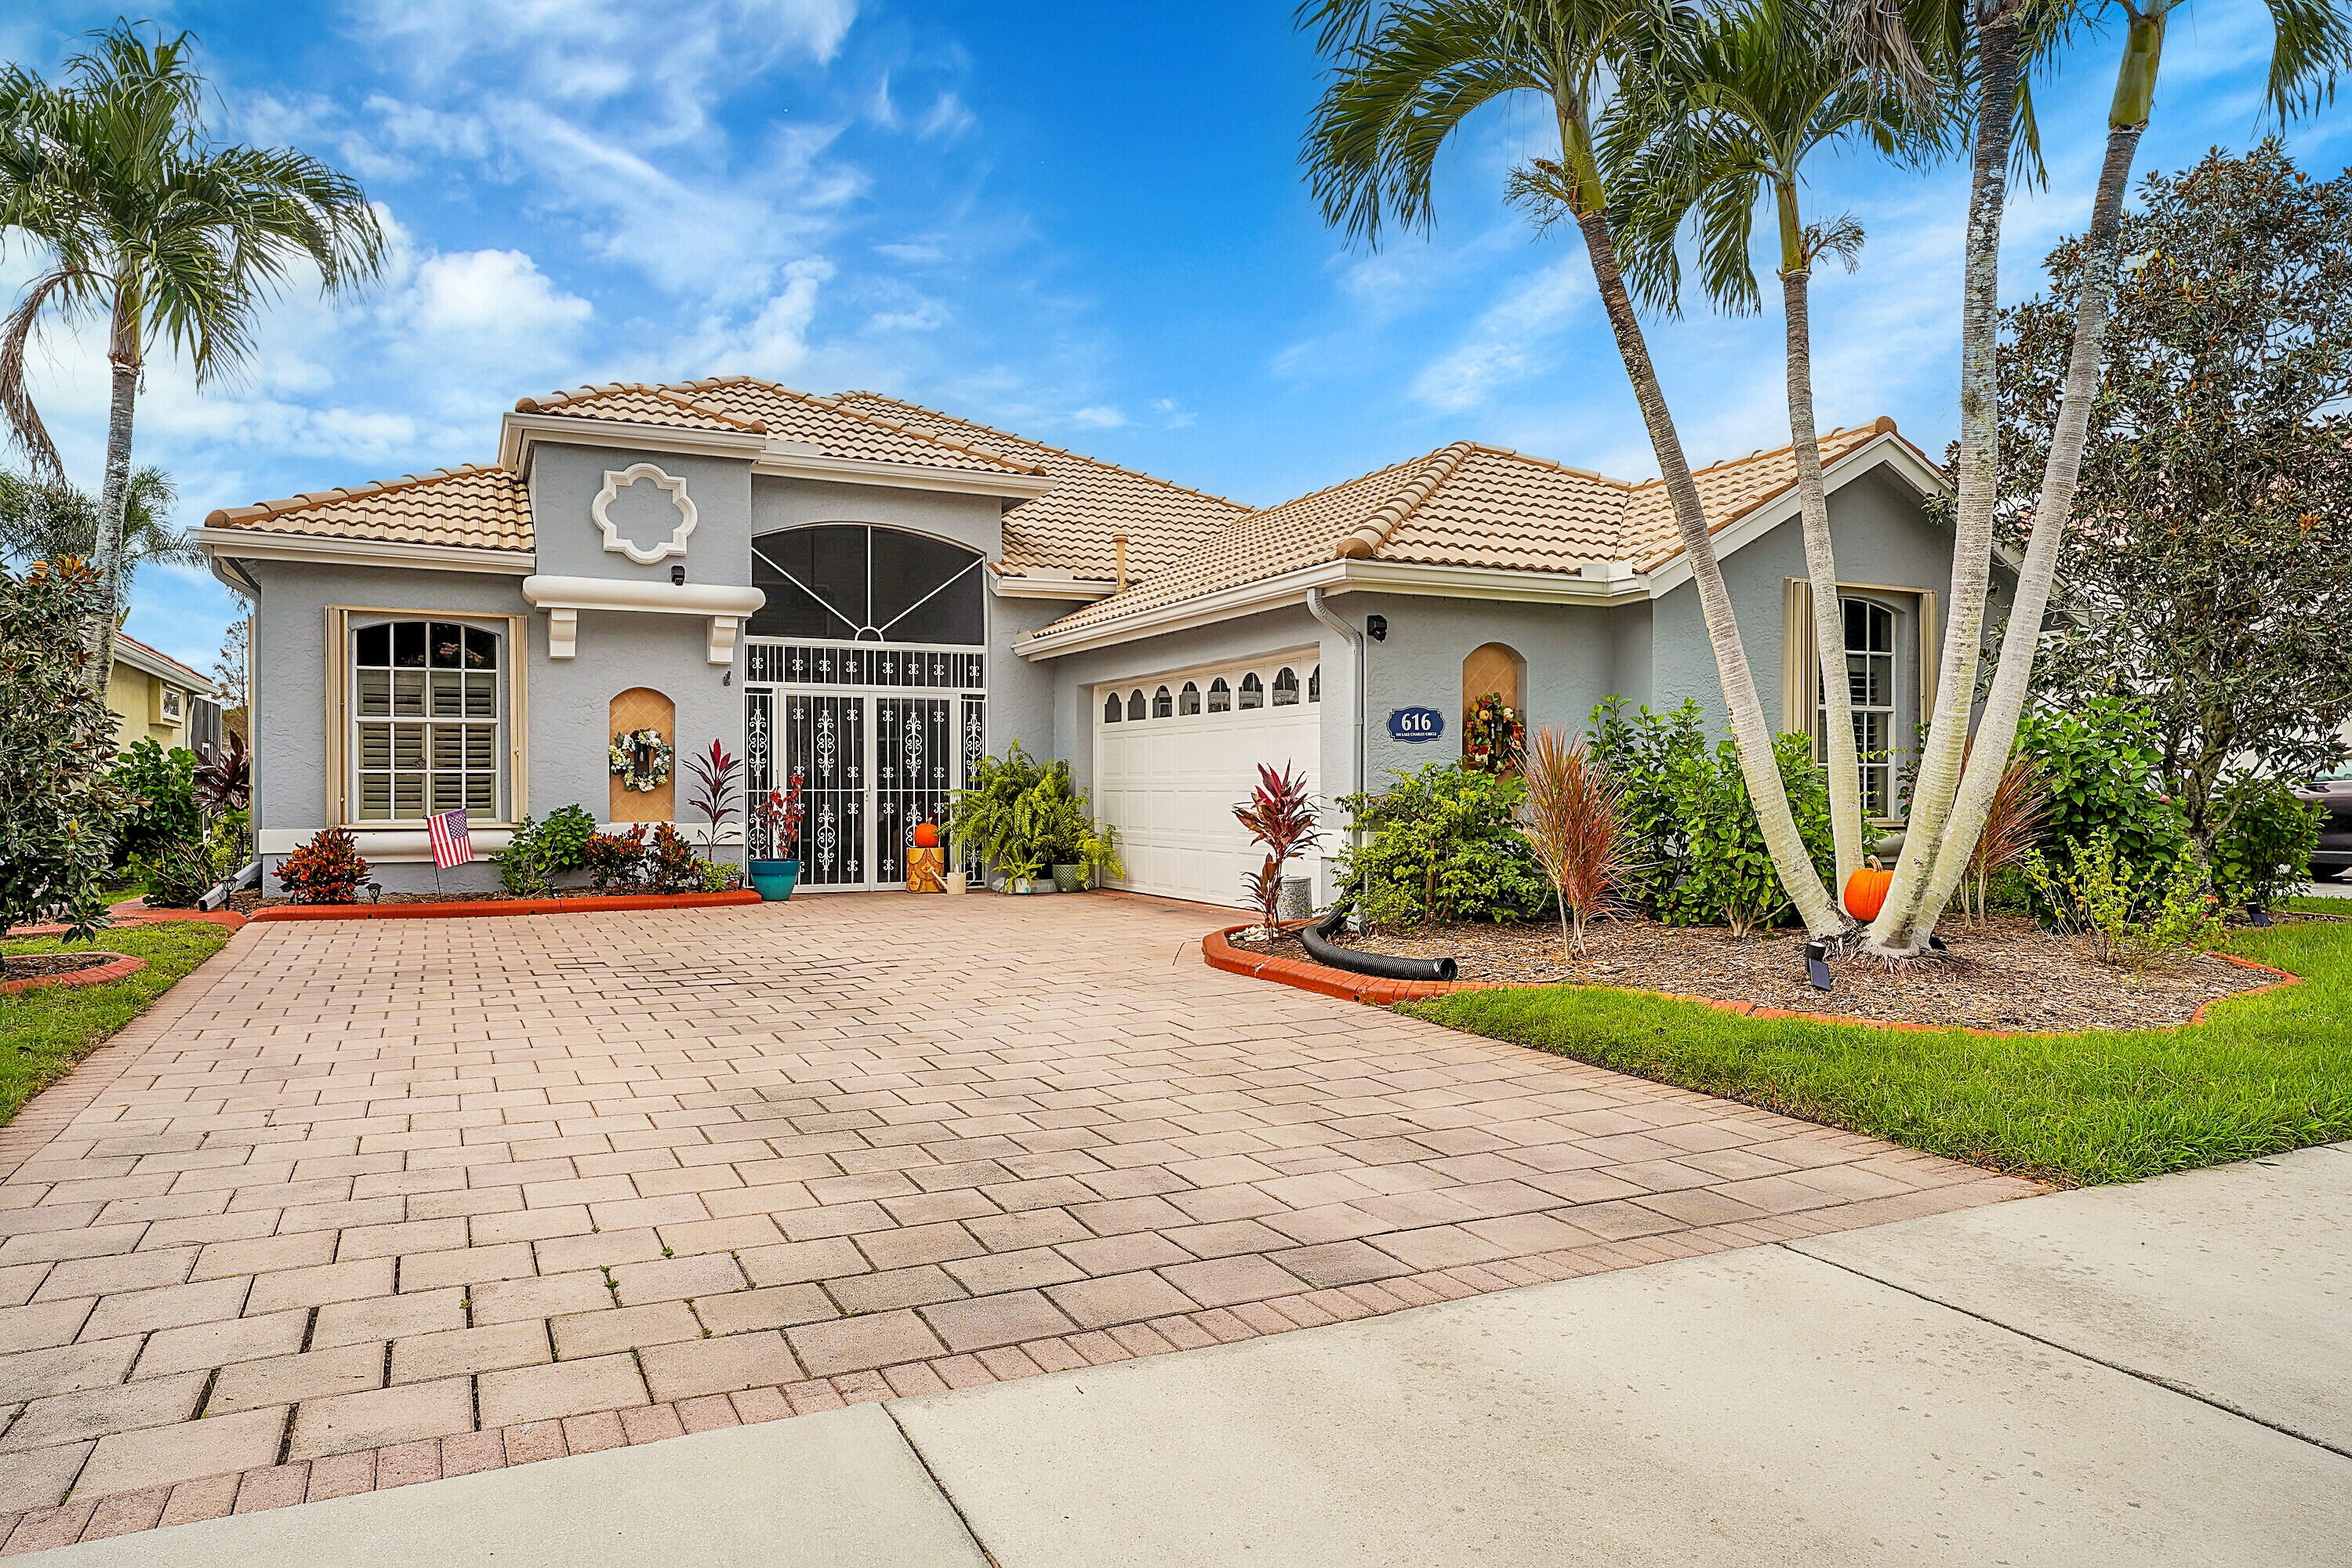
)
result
[(1492, 737), (641, 760)]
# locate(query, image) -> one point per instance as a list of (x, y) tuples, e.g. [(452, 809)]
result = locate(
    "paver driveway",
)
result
[(385, 1200)]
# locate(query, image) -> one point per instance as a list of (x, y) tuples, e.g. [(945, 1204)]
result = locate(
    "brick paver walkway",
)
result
[(383, 1202)]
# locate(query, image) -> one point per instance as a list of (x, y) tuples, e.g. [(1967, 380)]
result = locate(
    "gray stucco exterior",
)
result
[(1644, 643)]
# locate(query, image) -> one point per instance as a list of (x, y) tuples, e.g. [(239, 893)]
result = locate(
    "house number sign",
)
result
[(1416, 724)]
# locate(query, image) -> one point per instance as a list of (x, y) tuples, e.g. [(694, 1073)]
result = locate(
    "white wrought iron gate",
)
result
[(880, 732)]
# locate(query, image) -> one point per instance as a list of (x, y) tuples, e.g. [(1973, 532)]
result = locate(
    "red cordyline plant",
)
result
[(1572, 824), (1279, 814), (778, 820), (714, 786)]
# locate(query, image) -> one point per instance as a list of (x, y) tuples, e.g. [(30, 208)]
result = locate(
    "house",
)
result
[(875, 593), (155, 697)]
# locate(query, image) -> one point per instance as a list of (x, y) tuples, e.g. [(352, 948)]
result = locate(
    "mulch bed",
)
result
[(41, 965), (2004, 973)]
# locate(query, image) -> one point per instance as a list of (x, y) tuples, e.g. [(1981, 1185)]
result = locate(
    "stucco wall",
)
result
[(1572, 654), (1883, 539), (565, 480), (131, 697)]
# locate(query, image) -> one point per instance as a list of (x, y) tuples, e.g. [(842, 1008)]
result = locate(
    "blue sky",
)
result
[(1082, 223)]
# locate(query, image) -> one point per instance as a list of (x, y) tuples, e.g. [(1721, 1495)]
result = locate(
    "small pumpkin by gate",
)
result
[(927, 836), (1865, 892)]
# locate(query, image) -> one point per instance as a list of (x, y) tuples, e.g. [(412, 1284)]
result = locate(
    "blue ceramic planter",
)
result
[(774, 880)]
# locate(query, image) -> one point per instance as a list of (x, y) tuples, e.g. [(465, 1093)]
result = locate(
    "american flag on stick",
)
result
[(452, 843)]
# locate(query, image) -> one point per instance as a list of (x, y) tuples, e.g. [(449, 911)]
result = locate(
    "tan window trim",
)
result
[(339, 686)]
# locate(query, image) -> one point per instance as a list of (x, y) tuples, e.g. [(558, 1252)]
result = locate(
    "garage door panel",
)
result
[(1169, 785)]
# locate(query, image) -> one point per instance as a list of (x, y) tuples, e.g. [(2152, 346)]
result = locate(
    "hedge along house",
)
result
[(875, 595)]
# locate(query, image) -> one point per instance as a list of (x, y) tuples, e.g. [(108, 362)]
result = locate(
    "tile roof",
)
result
[(1070, 528), (633, 403), (1466, 505), (479, 506), (840, 431)]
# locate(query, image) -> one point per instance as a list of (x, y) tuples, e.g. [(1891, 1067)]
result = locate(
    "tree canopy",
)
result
[(2204, 574)]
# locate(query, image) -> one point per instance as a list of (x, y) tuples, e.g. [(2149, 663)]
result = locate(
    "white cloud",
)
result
[(1510, 341), (1098, 417)]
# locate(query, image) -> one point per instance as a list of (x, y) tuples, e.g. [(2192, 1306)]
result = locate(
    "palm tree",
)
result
[(45, 519), (1718, 125), (1405, 75), (2312, 39), (168, 237)]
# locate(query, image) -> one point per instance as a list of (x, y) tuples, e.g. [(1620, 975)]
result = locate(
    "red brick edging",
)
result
[(586, 904), (1221, 953), (96, 974)]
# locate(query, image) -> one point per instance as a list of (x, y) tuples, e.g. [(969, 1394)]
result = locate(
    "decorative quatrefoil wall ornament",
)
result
[(615, 480)]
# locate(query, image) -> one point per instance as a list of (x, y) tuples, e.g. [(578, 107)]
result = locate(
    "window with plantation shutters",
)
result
[(428, 720)]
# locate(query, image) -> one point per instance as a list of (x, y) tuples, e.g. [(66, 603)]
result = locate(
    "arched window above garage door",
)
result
[(1135, 703), (1188, 701), (1252, 691), (1111, 714), (1221, 696), (845, 581)]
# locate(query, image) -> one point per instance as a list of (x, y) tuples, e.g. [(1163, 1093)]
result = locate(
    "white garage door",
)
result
[(1174, 754)]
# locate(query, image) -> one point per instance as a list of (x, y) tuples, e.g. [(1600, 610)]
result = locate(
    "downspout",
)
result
[(1321, 612)]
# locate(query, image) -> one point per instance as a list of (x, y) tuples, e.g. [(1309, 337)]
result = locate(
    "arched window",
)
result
[(1252, 691), (843, 581), (1135, 704), (1111, 714), (1286, 688), (1870, 676), (1162, 705), (1221, 696), (1188, 701), (1315, 684)]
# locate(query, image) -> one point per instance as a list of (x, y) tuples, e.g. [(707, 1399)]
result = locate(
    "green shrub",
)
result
[(1695, 854), (162, 789), (228, 842), (2263, 841), (1444, 844), (1645, 753), (522, 864), (2137, 914), (2103, 765), (177, 877), (58, 807), (562, 839), (717, 877)]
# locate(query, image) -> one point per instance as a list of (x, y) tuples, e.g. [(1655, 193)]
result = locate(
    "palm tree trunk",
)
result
[(2005, 703), (1821, 566), (122, 355), (1750, 734), (1898, 932)]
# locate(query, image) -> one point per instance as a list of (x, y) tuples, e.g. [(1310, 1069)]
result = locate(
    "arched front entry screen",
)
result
[(854, 582)]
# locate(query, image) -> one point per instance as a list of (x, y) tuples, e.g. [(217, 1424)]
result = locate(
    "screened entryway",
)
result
[(864, 671)]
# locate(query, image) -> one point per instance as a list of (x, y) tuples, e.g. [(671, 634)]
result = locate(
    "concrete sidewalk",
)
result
[(2149, 1374)]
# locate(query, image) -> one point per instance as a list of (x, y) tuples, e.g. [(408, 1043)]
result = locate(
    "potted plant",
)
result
[(776, 826), (1021, 875), (1099, 853)]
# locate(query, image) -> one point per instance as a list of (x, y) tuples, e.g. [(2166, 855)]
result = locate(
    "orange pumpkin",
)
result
[(927, 836), (1865, 891)]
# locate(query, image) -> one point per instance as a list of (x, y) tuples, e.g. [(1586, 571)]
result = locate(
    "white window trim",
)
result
[(342, 711)]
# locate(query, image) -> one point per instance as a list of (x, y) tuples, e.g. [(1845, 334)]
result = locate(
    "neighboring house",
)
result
[(875, 593), (155, 697)]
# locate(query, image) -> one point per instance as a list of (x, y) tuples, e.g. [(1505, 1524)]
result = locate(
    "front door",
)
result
[(873, 761)]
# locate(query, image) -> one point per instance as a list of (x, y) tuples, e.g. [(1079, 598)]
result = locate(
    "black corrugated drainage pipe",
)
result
[(1385, 966)]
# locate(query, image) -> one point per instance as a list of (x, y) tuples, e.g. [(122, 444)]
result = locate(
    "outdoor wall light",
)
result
[(1377, 628), (677, 574)]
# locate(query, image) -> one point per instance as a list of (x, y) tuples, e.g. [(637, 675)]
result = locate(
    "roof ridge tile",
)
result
[(1374, 531), (1076, 456)]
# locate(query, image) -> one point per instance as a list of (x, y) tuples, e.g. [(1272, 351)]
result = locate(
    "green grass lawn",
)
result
[(43, 1031), (2261, 1074)]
